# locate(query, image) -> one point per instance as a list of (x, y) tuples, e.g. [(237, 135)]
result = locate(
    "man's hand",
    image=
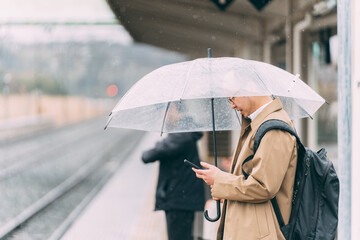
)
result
[(214, 198), (208, 175)]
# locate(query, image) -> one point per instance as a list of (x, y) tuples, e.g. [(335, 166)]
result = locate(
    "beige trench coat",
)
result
[(247, 210)]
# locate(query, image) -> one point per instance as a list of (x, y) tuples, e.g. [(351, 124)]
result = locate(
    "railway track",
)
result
[(46, 184)]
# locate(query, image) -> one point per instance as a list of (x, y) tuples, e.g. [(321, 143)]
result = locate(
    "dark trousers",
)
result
[(179, 224)]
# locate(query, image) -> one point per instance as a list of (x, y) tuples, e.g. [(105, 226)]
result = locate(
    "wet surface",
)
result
[(33, 167)]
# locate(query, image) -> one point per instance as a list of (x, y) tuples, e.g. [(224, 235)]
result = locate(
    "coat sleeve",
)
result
[(270, 165), (170, 147)]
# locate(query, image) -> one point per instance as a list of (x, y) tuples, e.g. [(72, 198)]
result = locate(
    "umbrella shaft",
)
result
[(214, 137)]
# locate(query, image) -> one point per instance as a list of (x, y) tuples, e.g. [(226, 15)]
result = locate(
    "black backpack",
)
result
[(314, 213)]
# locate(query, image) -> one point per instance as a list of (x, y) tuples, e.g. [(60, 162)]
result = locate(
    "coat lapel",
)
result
[(245, 129)]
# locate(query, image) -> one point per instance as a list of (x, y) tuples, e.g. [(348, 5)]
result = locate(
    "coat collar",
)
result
[(245, 124), (274, 106)]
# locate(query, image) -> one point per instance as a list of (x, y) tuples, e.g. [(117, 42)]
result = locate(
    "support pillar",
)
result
[(344, 118), (355, 139)]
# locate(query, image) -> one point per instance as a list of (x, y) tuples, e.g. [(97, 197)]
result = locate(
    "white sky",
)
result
[(59, 11), (55, 11)]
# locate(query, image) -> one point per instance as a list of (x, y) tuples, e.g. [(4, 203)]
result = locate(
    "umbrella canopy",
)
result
[(175, 97), (192, 96)]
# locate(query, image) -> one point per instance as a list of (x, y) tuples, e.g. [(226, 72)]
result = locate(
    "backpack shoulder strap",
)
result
[(272, 124)]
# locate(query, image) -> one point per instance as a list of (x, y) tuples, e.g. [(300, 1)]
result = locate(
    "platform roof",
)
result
[(191, 27)]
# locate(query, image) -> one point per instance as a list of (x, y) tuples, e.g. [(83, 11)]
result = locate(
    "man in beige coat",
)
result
[(247, 211)]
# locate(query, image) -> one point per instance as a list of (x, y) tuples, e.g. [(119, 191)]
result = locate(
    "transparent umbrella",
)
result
[(186, 88), (192, 96)]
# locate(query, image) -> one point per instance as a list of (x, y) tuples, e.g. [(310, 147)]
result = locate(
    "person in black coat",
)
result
[(179, 193)]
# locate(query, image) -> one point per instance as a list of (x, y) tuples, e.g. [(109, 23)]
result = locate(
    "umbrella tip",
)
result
[(107, 124)]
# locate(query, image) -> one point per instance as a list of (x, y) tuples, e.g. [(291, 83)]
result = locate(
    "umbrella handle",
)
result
[(218, 213)]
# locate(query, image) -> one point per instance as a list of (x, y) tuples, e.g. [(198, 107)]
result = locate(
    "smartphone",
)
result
[(191, 164)]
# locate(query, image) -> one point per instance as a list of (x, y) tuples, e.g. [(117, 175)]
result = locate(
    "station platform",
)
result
[(124, 208)]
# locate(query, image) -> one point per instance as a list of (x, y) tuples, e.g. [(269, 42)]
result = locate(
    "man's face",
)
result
[(242, 104)]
